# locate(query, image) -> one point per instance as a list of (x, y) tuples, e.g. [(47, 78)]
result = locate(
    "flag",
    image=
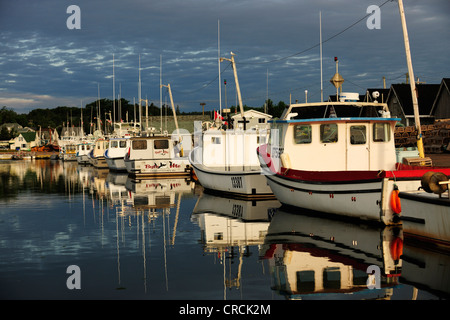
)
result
[(217, 115)]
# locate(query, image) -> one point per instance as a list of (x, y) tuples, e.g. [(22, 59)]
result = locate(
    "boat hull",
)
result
[(83, 159), (234, 182), (364, 195), (361, 200), (116, 164), (426, 217), (98, 162), (158, 167)]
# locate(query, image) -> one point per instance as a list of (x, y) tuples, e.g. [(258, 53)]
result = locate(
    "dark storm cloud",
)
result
[(44, 64)]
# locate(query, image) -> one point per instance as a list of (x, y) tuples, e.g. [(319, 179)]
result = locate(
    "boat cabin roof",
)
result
[(334, 110)]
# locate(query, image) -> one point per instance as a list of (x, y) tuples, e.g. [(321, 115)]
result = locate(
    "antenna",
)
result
[(139, 92), (160, 90), (114, 94), (321, 77), (218, 60)]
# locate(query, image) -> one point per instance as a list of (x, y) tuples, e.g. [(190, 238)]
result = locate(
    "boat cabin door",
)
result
[(358, 146)]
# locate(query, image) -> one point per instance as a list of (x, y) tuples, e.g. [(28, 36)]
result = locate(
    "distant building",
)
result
[(400, 103), (441, 105), (12, 126), (254, 118)]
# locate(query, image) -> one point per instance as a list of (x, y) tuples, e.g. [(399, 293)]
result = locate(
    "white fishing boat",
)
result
[(426, 212), (97, 154), (225, 160), (115, 153), (69, 152), (339, 157), (83, 150), (160, 155), (156, 156), (345, 165)]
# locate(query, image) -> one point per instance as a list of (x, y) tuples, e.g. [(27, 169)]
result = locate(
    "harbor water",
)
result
[(75, 232)]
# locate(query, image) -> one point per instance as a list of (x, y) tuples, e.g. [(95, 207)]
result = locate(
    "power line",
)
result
[(316, 45)]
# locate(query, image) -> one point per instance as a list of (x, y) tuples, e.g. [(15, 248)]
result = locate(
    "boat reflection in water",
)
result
[(231, 228), (317, 258)]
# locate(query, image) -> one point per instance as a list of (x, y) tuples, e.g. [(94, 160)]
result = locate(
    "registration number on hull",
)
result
[(236, 182)]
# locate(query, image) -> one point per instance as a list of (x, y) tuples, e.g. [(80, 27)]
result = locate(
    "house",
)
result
[(441, 105), (254, 118), (400, 103), (24, 141), (12, 126)]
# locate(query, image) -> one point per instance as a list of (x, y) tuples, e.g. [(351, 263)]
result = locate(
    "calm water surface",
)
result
[(166, 239)]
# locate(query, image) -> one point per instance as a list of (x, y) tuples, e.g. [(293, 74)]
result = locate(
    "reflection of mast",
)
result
[(176, 219), (165, 257)]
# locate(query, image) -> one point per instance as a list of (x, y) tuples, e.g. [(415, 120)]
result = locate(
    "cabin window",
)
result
[(114, 144), (261, 120), (215, 140), (302, 134), (331, 278), (275, 134), (122, 144), (305, 281), (139, 144), (358, 135), (161, 144), (328, 133), (381, 132)]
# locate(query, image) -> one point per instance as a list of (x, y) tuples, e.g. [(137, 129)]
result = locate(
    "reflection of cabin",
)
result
[(400, 103)]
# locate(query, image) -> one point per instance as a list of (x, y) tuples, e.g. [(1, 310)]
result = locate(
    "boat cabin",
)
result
[(100, 147), (229, 148), (335, 143), (159, 147)]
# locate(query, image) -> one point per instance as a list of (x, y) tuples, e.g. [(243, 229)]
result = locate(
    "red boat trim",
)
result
[(402, 172), (332, 191)]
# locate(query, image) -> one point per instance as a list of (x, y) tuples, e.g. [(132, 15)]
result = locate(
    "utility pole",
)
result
[(203, 108)]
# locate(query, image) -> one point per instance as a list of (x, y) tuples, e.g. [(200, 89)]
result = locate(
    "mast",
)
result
[(99, 126), (139, 94), (173, 107), (160, 91), (238, 90), (114, 94), (412, 82)]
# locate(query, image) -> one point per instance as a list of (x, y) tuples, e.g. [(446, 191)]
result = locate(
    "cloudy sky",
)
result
[(44, 64)]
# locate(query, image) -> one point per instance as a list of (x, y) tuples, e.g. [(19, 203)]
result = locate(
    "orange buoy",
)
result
[(396, 205)]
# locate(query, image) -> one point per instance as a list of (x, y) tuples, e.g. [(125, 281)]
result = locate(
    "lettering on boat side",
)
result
[(236, 182), (74, 20), (74, 280), (373, 281)]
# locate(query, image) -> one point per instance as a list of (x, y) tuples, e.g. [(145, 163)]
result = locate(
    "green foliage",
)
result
[(60, 116)]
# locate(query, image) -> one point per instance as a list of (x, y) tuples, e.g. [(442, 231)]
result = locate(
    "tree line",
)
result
[(62, 116)]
